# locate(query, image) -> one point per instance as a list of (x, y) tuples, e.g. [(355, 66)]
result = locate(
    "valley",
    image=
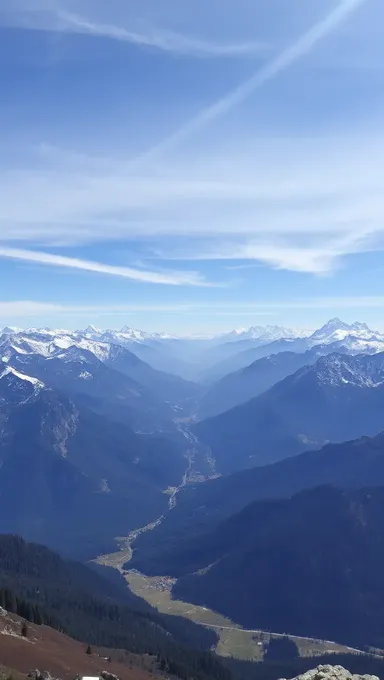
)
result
[(233, 639), (200, 467)]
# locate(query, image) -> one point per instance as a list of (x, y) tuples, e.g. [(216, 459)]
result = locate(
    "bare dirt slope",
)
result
[(47, 649)]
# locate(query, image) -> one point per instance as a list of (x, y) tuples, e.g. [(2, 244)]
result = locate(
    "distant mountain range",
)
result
[(339, 397), (264, 333), (233, 356), (206, 359)]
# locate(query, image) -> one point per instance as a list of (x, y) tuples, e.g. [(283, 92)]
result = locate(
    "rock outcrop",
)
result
[(332, 673), (40, 675), (104, 675)]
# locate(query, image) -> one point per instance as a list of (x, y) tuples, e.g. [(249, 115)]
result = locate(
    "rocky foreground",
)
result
[(332, 673)]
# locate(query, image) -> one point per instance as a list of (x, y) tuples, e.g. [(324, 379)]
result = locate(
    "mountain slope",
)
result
[(311, 565), (340, 397), (79, 478), (47, 648), (241, 386), (170, 388), (245, 353), (78, 372), (156, 350), (200, 508)]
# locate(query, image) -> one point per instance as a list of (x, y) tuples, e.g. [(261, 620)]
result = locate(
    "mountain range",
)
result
[(92, 436), (97, 442), (356, 338), (339, 397), (204, 359)]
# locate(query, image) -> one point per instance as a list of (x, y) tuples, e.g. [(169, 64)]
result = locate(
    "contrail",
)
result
[(268, 72)]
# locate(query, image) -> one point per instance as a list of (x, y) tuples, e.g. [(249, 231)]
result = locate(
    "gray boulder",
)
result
[(104, 675), (332, 673)]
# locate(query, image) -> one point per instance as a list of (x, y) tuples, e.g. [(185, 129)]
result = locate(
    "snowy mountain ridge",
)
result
[(18, 388), (265, 333), (160, 351), (9, 370), (335, 330), (332, 331), (338, 370)]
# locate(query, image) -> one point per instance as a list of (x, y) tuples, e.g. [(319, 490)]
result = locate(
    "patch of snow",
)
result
[(28, 378), (62, 342), (104, 486), (68, 357), (360, 371), (101, 350), (85, 375)]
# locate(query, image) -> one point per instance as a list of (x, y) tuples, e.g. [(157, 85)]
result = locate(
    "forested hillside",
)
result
[(39, 585), (311, 565)]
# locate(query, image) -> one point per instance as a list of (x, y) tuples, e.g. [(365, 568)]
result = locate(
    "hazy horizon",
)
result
[(72, 326)]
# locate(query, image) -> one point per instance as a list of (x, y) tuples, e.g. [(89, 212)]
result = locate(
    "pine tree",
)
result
[(89, 650)]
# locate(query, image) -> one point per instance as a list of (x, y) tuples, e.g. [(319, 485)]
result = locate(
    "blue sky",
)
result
[(191, 166)]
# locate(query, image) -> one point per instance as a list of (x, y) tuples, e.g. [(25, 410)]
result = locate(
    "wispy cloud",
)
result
[(161, 39), (31, 308), (203, 208), (272, 69), (319, 258), (42, 258), (54, 17)]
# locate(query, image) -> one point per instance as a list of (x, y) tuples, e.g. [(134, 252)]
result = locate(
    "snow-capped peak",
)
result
[(134, 334), (92, 330), (336, 330), (9, 330)]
